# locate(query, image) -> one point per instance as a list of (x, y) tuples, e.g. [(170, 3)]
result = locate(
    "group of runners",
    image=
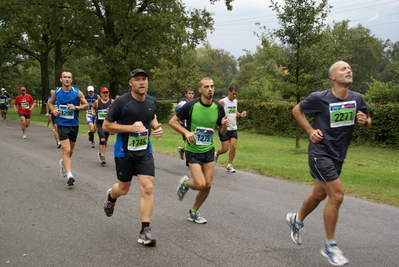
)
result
[(133, 117)]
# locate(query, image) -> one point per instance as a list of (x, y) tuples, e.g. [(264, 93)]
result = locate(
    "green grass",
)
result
[(370, 173)]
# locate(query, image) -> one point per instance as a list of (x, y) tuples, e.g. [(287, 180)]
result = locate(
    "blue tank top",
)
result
[(91, 99), (67, 117)]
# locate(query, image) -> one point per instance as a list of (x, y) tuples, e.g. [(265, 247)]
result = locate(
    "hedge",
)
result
[(276, 119)]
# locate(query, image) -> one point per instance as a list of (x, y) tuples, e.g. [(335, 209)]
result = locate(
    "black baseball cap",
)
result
[(137, 71)]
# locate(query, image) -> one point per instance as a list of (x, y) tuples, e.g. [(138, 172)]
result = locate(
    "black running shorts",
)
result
[(324, 169), (127, 167), (68, 132), (199, 158)]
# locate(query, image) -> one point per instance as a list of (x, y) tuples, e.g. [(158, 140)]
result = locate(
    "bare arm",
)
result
[(174, 122), (83, 103), (225, 124), (94, 107), (51, 102), (363, 119), (32, 105), (111, 126), (315, 135), (157, 127)]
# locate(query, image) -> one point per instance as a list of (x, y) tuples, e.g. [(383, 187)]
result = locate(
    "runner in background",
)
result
[(25, 105), (100, 110), (90, 98)]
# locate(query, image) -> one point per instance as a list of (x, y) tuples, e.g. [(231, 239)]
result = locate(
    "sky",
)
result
[(234, 30)]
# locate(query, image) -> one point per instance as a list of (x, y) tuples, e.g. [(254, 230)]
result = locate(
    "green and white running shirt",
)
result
[(203, 119)]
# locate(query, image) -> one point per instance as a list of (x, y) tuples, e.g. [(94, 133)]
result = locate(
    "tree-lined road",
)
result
[(46, 223)]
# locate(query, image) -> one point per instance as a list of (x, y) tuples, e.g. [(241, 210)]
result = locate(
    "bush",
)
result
[(164, 111), (276, 119)]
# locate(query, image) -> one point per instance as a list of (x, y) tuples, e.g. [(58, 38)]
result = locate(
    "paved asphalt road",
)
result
[(43, 222)]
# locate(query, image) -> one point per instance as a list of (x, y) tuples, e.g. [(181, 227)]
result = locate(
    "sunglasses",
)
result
[(105, 92)]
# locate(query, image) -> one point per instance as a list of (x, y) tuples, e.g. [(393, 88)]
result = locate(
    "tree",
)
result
[(361, 50), (33, 29), (217, 64), (302, 24), (259, 77)]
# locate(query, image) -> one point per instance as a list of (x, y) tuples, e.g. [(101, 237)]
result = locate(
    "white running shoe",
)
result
[(333, 254), (196, 217), (296, 228), (230, 169), (62, 169)]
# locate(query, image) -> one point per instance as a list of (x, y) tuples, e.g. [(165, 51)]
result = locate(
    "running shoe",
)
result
[(58, 144), (101, 159), (70, 181), (181, 189), (62, 169), (93, 145), (47, 124), (230, 169), (216, 157), (108, 207), (145, 238), (24, 136), (296, 228), (181, 152), (196, 217), (333, 254)]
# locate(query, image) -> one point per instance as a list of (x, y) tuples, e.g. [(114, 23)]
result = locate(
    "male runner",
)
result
[(25, 105), (90, 98), (336, 111), (230, 105), (70, 101), (189, 94), (100, 109), (4, 98), (202, 115), (132, 116)]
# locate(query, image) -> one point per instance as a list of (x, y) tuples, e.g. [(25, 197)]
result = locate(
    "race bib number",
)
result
[(66, 113), (25, 105), (138, 141), (204, 136), (88, 112), (342, 114), (2, 101), (102, 113), (231, 109)]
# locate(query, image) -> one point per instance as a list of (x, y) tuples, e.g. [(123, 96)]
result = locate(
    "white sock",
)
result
[(331, 242), (69, 174), (297, 219)]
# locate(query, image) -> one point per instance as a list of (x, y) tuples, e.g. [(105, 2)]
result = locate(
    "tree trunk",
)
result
[(58, 63), (44, 59), (297, 128)]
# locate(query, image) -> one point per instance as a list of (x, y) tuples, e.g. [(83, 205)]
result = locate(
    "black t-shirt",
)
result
[(126, 110), (335, 118)]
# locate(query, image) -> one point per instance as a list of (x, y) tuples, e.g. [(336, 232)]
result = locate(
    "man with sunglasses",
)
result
[(25, 105), (100, 109)]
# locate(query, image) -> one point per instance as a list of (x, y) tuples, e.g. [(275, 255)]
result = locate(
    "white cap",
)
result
[(2, 89), (90, 89)]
